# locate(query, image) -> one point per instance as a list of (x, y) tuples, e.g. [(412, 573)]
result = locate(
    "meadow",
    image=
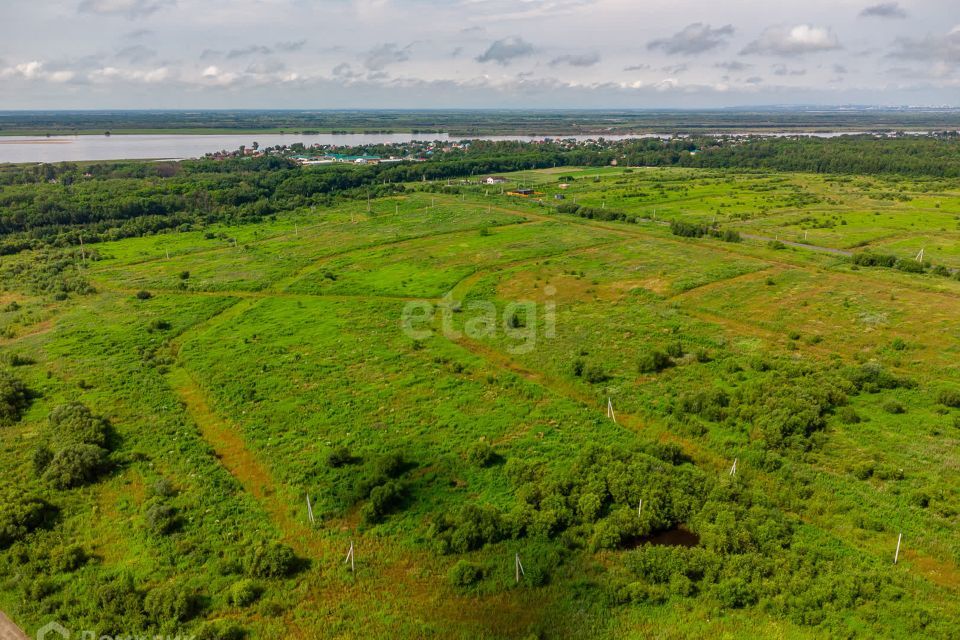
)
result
[(781, 415)]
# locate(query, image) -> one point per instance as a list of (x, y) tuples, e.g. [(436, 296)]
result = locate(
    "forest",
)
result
[(53, 205)]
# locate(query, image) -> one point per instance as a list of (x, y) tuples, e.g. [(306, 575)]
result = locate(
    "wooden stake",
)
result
[(733, 469), (310, 510), (896, 556), (349, 558), (518, 568), (610, 413), (640, 507)]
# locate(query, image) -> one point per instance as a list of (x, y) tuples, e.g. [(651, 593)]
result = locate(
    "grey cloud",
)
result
[(253, 49), (733, 65), (793, 41), (290, 47), (674, 69), (507, 50), (693, 39), (839, 69), (138, 34), (381, 57), (577, 60), (935, 48), (637, 67), (783, 70), (130, 9), (136, 53), (754, 80), (884, 10)]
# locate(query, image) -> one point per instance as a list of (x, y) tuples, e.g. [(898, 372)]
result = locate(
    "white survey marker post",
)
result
[(349, 558), (896, 556), (518, 568)]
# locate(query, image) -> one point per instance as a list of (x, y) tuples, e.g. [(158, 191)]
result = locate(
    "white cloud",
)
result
[(128, 8), (793, 41)]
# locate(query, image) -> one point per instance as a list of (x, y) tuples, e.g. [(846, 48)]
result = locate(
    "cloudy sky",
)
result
[(476, 53)]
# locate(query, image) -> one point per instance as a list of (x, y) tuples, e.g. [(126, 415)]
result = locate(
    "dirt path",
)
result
[(10, 631)]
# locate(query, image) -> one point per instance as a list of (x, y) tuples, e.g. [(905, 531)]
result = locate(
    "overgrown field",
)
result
[(679, 430)]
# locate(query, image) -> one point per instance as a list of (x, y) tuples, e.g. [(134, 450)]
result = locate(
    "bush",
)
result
[(909, 266), (339, 457), (68, 559), (577, 367), (894, 407), (144, 295), (464, 574), (949, 397), (159, 325), (594, 374), (848, 415), (75, 424), (75, 465), (14, 398), (874, 260), (243, 593), (271, 561), (220, 630), (481, 454), (167, 604), (184, 275), (383, 499), (160, 517), (19, 516), (654, 362), (675, 349)]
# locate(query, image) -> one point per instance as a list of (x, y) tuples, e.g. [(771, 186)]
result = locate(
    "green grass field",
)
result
[(272, 362)]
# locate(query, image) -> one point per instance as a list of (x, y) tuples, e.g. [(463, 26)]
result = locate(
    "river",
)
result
[(25, 149)]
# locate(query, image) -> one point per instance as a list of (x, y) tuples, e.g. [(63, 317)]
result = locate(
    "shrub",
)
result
[(69, 558), (675, 349), (75, 465), (594, 374), (339, 457), (653, 362), (848, 415), (776, 245), (243, 593), (271, 561), (160, 517), (873, 260), (383, 499), (464, 574), (894, 407), (729, 235), (144, 295), (577, 367), (909, 266), (159, 325), (949, 397), (898, 344), (167, 604), (75, 424), (184, 275), (481, 454), (220, 630), (14, 398), (19, 516)]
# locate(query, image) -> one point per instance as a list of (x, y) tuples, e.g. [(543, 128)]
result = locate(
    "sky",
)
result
[(381, 54)]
